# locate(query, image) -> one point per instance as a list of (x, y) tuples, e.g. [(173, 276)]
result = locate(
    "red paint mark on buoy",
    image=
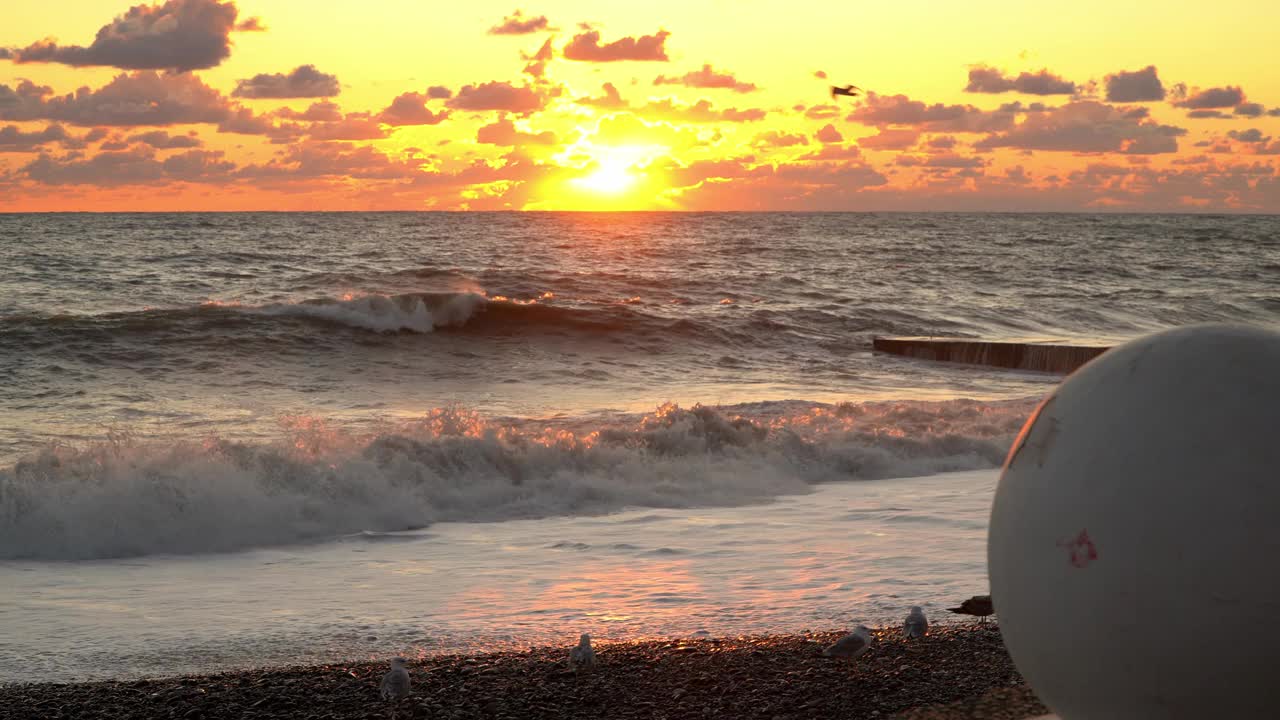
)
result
[(1082, 549)]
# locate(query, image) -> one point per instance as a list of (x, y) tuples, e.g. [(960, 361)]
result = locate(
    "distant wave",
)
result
[(131, 497)]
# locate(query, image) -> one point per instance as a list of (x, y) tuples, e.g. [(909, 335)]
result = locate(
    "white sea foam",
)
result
[(128, 498), (386, 313)]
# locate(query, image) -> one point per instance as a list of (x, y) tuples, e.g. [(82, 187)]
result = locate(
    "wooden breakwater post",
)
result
[(1055, 356)]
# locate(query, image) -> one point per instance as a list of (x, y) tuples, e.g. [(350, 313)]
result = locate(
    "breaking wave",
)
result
[(130, 497)]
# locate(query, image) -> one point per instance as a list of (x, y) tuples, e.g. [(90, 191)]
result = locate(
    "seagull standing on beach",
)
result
[(852, 645), (395, 684), (583, 656), (978, 605), (916, 624)]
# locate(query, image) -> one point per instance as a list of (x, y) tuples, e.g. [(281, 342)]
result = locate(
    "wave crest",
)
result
[(128, 497)]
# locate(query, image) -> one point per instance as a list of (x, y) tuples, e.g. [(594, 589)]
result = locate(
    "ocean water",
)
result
[(237, 439)]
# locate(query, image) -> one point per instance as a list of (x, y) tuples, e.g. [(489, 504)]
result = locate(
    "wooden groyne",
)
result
[(1054, 356)]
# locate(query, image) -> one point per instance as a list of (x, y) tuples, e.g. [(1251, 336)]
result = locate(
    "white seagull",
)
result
[(852, 645), (582, 657), (395, 684), (916, 624)]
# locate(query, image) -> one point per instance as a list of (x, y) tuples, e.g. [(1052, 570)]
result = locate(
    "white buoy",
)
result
[(1134, 547)]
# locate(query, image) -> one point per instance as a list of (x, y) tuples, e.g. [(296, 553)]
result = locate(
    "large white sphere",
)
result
[(1134, 548)]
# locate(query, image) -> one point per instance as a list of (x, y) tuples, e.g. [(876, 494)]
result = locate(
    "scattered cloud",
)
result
[(709, 79), (1249, 109), (137, 166), (822, 112), (1087, 126), (304, 81), (518, 24), (895, 110), (775, 139), (499, 96), (161, 140), (890, 139), (983, 79), (411, 109), (586, 47), (1137, 86), (141, 98), (14, 139), (1218, 97), (177, 35), (504, 132), (611, 100), (700, 112), (537, 62), (828, 134)]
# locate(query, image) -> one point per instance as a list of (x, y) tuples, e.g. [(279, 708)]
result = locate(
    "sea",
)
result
[(253, 439)]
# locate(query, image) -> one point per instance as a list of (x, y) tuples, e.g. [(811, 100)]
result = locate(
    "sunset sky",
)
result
[(657, 105)]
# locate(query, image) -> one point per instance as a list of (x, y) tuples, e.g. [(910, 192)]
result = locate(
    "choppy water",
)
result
[(193, 384)]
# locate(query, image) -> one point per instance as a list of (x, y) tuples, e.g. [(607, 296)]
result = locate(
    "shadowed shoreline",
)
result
[(959, 670)]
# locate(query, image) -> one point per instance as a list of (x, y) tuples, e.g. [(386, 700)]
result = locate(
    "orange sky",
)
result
[(682, 105)]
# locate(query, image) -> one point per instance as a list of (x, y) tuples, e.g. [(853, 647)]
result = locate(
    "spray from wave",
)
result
[(418, 313), (128, 497)]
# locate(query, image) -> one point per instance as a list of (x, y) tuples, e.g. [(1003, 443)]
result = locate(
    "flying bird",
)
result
[(978, 605), (847, 91), (916, 624), (395, 684), (583, 656), (852, 645)]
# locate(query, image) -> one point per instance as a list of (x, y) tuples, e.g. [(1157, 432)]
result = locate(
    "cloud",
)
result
[(950, 161), (586, 47), (828, 134), (498, 96), (323, 111), (775, 139), (1218, 97), (411, 109), (322, 159), (13, 139), (611, 100), (1252, 135), (1017, 107), (884, 110), (138, 166), (353, 126), (253, 24), (699, 112), (537, 62), (141, 98), (162, 140), (178, 35), (1138, 86), (820, 74), (6, 54), (304, 81), (1087, 126), (1208, 114), (708, 79), (822, 112), (504, 132), (518, 24), (983, 79), (1249, 110), (890, 139), (439, 92)]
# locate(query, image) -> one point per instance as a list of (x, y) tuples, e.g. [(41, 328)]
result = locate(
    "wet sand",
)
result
[(958, 671)]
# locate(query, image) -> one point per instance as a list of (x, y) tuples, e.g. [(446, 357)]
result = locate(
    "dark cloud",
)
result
[(1218, 97), (411, 109), (504, 132), (253, 24), (1249, 110), (709, 79), (1017, 107), (887, 110), (353, 126), (323, 111), (537, 62), (518, 24), (1208, 114), (1138, 86), (6, 54), (13, 139), (775, 139), (950, 161), (162, 140), (984, 79), (1087, 127), (828, 134), (611, 100), (1252, 135), (439, 92), (178, 35), (323, 159), (304, 81), (499, 96), (141, 98), (941, 142), (138, 166), (586, 47)]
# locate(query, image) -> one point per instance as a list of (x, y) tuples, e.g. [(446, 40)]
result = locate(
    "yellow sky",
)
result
[(920, 50)]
